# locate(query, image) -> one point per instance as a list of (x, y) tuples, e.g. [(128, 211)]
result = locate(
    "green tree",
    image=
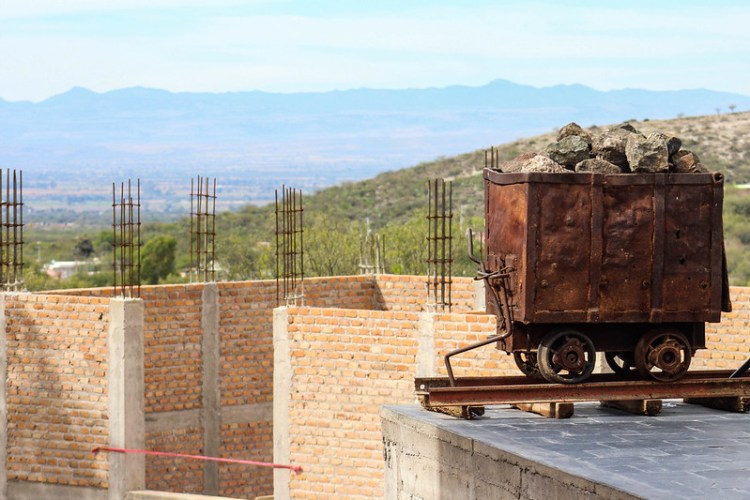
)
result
[(158, 258), (406, 246), (331, 246), (84, 249)]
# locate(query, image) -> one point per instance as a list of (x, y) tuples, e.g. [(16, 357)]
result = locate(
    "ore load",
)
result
[(610, 244)]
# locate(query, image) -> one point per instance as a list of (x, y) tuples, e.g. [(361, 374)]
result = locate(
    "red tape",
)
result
[(295, 468)]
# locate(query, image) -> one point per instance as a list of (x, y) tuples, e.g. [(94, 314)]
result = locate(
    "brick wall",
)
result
[(175, 474), (728, 342), (248, 441), (172, 347), (409, 293), (246, 370), (57, 389), (344, 365), (453, 331), (173, 376)]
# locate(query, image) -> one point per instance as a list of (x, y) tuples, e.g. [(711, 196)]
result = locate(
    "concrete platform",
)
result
[(686, 452)]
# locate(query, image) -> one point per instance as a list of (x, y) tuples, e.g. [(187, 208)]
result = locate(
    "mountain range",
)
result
[(73, 146)]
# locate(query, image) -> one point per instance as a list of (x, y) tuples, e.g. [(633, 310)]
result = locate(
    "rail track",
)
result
[(717, 389)]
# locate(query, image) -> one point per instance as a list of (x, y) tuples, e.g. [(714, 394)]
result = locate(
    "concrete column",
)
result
[(3, 403), (211, 397), (426, 345), (282, 383), (480, 299), (127, 472)]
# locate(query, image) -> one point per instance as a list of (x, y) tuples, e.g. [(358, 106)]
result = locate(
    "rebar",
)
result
[(11, 231), (290, 270), (203, 229), (492, 158), (439, 244), (371, 252), (126, 243)]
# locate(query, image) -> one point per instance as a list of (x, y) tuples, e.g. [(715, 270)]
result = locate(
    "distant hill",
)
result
[(74, 145)]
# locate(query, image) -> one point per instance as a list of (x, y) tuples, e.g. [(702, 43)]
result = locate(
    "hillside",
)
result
[(721, 141), (74, 145), (395, 198), (394, 205)]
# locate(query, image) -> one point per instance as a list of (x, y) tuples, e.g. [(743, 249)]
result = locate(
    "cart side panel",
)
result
[(506, 233), (627, 254), (689, 271), (563, 249)]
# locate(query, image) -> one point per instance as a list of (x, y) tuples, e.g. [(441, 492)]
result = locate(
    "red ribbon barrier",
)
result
[(295, 468)]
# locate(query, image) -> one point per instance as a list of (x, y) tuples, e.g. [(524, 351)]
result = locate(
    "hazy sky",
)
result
[(49, 46)]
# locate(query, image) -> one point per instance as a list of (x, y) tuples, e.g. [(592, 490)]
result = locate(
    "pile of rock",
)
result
[(621, 149)]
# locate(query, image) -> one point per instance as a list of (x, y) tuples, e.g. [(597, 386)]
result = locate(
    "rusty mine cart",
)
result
[(631, 265)]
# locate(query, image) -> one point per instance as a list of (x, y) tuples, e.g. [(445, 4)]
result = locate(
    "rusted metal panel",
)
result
[(627, 258), (505, 235), (608, 248)]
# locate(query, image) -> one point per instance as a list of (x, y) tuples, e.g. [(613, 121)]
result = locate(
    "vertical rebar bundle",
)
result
[(126, 241), (11, 230), (290, 271), (371, 253), (202, 229), (439, 244), (491, 158)]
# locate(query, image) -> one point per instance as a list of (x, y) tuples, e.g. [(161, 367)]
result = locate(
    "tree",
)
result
[(84, 249), (158, 258), (331, 246)]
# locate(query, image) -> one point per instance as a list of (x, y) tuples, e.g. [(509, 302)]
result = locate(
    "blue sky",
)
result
[(49, 46)]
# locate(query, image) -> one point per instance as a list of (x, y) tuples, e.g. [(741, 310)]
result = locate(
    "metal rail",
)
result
[(514, 390)]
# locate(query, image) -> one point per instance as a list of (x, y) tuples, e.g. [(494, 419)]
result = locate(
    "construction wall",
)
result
[(208, 377), (409, 293), (65, 380), (728, 342), (210, 356), (56, 383), (335, 368)]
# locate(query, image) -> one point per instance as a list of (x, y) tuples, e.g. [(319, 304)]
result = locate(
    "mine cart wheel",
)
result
[(526, 361), (622, 363), (663, 354), (566, 356)]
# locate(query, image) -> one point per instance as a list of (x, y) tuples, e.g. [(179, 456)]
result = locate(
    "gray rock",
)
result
[(648, 154), (573, 128), (517, 163), (569, 150), (540, 163), (610, 146), (686, 162), (673, 145), (628, 127), (598, 166)]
